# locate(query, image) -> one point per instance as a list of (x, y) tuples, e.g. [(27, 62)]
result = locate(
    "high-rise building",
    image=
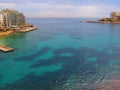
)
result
[(11, 19)]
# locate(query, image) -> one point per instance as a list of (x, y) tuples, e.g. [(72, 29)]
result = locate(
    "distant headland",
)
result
[(113, 19), (13, 21)]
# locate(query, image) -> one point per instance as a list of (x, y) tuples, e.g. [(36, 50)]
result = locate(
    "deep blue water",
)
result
[(63, 54)]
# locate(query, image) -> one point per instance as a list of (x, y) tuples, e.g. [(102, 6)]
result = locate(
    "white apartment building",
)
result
[(11, 19)]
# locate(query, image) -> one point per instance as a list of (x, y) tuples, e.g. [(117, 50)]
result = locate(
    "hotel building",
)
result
[(11, 19)]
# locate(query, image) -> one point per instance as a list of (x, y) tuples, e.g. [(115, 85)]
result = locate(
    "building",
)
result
[(115, 15), (11, 19)]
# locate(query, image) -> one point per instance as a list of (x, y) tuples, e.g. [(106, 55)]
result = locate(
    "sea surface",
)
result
[(63, 54)]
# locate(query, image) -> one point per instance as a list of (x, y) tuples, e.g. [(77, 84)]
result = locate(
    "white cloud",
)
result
[(47, 10), (59, 10), (7, 5), (95, 10)]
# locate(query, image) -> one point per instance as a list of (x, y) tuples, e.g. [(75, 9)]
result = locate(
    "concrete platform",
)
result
[(27, 29), (6, 49)]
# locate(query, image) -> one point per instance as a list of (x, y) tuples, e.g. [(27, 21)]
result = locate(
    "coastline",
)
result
[(27, 29), (5, 33), (102, 22)]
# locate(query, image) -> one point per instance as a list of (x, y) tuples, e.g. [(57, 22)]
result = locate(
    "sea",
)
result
[(63, 54)]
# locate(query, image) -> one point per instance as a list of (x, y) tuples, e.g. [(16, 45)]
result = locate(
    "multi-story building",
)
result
[(11, 19), (115, 15)]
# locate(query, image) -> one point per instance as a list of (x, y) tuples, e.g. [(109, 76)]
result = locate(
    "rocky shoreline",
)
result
[(27, 29), (104, 22), (5, 33)]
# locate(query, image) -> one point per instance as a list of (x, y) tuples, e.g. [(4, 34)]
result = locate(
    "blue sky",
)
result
[(62, 8)]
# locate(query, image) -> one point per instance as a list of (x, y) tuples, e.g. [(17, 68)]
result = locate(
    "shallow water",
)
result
[(63, 54)]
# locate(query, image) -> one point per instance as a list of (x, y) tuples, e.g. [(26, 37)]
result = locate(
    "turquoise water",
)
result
[(63, 54)]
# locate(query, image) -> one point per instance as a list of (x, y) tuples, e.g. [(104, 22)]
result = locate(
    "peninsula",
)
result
[(113, 19), (13, 21)]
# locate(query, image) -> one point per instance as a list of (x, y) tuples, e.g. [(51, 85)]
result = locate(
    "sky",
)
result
[(63, 8)]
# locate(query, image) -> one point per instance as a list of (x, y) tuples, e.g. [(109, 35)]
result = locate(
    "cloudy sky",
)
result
[(62, 8)]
